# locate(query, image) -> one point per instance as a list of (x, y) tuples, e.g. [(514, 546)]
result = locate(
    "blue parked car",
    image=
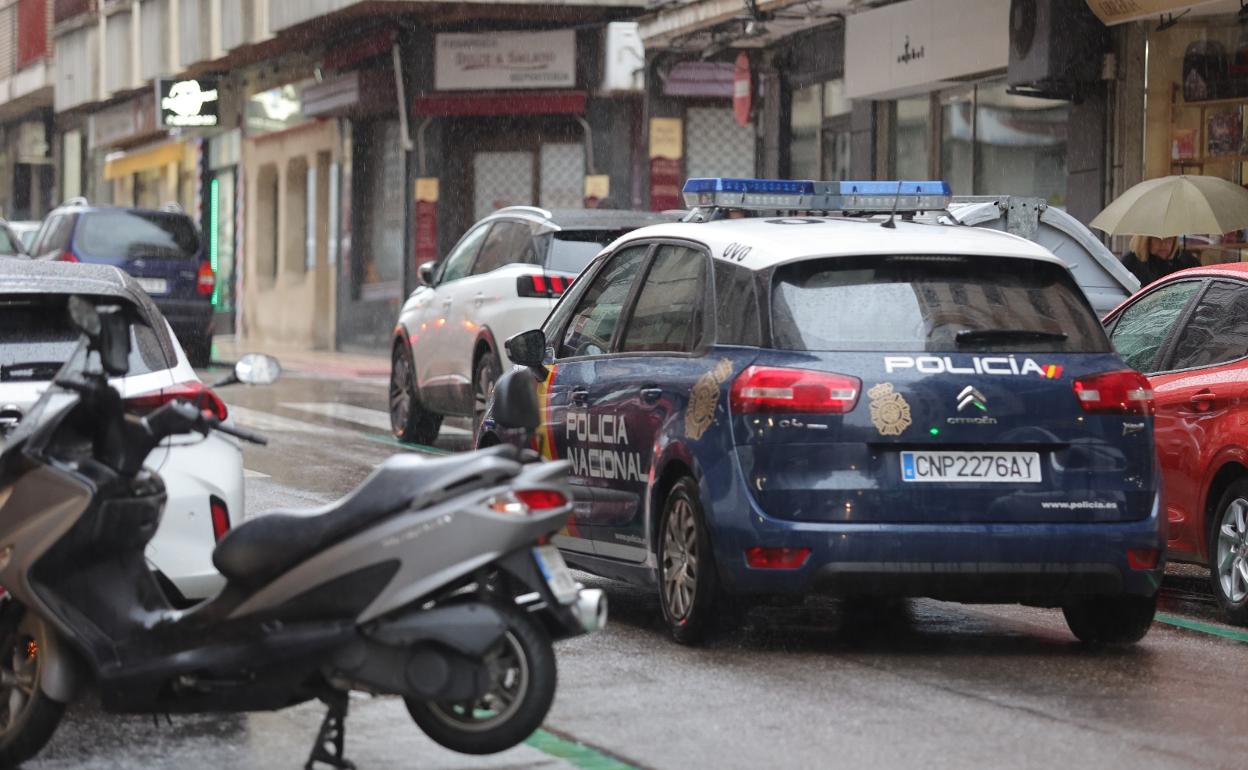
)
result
[(160, 248), (759, 403)]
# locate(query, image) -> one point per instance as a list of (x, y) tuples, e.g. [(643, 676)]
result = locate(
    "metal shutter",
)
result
[(562, 184), (715, 145)]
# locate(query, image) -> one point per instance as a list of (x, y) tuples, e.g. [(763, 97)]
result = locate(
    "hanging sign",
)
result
[(666, 150), (742, 93), (426, 220), (190, 103)]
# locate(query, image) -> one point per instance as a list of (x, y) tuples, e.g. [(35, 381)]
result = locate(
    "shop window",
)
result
[(294, 255), (1020, 144), (267, 226), (805, 123), (993, 142), (957, 139), (377, 268), (911, 130)]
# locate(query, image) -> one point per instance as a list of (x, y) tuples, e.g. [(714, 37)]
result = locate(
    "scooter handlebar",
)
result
[(182, 416), (240, 433)]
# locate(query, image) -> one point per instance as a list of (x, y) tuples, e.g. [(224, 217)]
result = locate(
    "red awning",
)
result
[(502, 103)]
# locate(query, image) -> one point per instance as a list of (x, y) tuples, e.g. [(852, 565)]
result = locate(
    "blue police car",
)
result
[(871, 401)]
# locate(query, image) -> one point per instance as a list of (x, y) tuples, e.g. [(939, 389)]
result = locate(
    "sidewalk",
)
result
[(326, 363)]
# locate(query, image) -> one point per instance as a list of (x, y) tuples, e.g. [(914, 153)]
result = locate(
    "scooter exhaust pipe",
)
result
[(590, 608)]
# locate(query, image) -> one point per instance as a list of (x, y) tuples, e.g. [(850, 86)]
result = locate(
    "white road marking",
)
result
[(248, 473), (369, 418), (263, 421)]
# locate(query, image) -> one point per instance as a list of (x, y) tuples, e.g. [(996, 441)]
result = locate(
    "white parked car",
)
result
[(502, 278), (203, 476)]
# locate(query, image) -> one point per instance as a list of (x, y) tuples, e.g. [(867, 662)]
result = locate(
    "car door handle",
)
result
[(651, 394), (479, 298), (580, 396), (1204, 400), (446, 302)]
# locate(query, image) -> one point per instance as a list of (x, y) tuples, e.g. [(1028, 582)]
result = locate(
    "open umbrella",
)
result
[(1177, 205)]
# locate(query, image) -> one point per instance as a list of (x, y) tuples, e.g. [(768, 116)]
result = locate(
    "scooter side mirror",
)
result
[(257, 369), (515, 400), (113, 342)]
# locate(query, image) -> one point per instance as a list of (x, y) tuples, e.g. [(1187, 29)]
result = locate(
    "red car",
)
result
[(1189, 333)]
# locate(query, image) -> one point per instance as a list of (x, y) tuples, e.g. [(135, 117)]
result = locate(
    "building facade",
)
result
[(329, 147)]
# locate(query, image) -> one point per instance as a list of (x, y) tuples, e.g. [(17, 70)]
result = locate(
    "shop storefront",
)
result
[(142, 164), (694, 130), (936, 72), (517, 117), (1196, 110)]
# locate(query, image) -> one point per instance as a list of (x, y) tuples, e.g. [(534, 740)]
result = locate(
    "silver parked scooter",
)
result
[(431, 581)]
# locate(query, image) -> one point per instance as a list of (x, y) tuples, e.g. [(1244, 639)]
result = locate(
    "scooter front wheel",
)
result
[(28, 717), (522, 687)]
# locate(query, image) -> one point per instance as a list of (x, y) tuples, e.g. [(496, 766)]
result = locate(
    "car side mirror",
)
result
[(515, 400), (257, 369), (425, 272), (527, 348)]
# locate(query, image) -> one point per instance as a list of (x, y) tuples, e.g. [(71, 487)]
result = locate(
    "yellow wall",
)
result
[(295, 308)]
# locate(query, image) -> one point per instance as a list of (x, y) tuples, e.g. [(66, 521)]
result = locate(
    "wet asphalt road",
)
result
[(923, 684)]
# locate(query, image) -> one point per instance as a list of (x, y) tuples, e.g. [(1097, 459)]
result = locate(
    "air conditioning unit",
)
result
[(1056, 48), (623, 59)]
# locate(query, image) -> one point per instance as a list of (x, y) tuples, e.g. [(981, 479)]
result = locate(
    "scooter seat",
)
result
[(264, 547)]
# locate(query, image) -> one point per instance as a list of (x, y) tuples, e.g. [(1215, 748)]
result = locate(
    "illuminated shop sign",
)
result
[(187, 103)]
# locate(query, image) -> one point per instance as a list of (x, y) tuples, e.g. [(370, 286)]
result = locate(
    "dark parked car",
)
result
[(160, 248)]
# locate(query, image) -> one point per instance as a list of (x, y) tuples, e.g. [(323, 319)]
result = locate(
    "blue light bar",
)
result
[(806, 195)]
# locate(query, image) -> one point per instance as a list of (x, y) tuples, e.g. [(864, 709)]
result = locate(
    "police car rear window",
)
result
[(931, 304)]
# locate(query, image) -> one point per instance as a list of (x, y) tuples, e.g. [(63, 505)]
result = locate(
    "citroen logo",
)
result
[(972, 397)]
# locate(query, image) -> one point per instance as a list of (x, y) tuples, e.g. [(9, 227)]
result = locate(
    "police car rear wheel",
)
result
[(1111, 619), (688, 586)]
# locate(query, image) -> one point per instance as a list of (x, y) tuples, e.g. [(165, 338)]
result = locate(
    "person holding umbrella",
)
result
[(1150, 258), (1158, 211)]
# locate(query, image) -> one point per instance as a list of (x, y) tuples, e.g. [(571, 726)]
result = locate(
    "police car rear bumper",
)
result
[(1034, 563)]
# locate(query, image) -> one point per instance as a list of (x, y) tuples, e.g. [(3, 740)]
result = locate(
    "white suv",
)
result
[(502, 278)]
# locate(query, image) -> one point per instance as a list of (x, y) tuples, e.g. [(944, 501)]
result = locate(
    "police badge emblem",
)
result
[(704, 398), (889, 411)]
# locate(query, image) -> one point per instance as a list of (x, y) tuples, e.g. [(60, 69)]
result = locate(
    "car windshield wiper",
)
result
[(1020, 335)]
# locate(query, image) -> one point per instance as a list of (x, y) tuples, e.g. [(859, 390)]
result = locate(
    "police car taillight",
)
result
[(772, 389), (1124, 392)]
